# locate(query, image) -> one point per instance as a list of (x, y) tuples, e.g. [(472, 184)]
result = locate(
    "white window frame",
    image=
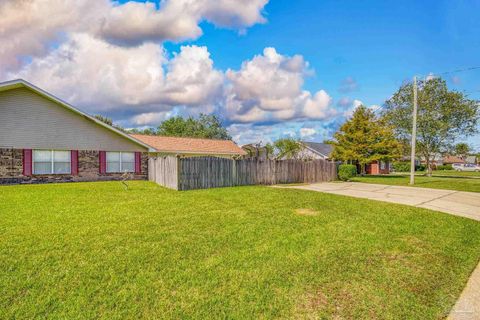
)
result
[(120, 162), (52, 162)]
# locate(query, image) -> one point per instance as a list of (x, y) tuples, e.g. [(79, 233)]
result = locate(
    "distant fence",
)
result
[(210, 172)]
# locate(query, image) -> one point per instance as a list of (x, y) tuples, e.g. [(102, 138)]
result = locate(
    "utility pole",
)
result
[(414, 133)]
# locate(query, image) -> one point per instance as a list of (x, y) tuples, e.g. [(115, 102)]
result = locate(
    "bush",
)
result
[(445, 167), (401, 166), (347, 171), (404, 166), (420, 167)]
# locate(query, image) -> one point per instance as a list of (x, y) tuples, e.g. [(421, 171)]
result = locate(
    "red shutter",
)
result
[(138, 162), (27, 162), (74, 162), (102, 157)]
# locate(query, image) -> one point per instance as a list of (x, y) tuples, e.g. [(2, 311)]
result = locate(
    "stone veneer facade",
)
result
[(11, 169)]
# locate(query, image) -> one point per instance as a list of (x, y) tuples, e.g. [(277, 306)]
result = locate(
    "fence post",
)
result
[(179, 169)]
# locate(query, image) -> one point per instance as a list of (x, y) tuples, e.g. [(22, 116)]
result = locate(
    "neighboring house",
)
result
[(44, 139), (452, 159), (379, 167), (316, 150), (189, 147), (436, 160), (471, 159)]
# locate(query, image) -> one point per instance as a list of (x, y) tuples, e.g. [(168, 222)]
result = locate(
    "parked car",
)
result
[(466, 167)]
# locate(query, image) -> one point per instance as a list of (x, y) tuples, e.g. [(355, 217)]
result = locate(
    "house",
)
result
[(190, 147), (316, 150), (378, 167), (471, 159), (44, 139), (452, 159)]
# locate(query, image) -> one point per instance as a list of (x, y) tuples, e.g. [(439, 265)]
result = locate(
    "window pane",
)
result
[(61, 167), (128, 157), (128, 166), (42, 167), (113, 156), (61, 156), (42, 155), (113, 166)]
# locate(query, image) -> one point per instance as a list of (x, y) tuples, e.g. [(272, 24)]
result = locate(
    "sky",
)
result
[(267, 69)]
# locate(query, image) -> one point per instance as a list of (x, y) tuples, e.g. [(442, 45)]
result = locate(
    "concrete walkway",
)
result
[(465, 204)]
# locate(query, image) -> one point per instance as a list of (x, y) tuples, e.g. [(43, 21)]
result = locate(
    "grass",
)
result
[(457, 173), (93, 250), (435, 182), (441, 173)]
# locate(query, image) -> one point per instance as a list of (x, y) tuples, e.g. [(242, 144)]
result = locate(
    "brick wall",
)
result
[(11, 169)]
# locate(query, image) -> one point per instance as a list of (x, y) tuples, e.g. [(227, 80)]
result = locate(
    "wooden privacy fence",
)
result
[(210, 172)]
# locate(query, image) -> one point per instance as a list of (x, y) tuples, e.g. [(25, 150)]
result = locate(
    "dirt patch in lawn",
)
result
[(306, 212)]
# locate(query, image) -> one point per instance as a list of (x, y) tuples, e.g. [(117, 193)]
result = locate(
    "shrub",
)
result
[(347, 171), (445, 167), (420, 167), (401, 166), (404, 166)]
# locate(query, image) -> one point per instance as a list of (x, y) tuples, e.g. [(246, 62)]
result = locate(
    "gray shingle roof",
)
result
[(322, 148)]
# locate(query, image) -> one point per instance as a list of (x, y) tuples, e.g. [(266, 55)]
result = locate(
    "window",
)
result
[(51, 162), (382, 165), (120, 162)]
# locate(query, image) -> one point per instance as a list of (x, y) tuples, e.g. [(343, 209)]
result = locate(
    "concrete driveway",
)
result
[(465, 204)]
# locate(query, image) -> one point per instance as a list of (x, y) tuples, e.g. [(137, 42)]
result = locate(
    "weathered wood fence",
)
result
[(210, 172)]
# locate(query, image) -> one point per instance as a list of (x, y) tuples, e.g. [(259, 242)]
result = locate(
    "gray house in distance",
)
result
[(316, 150), (44, 139)]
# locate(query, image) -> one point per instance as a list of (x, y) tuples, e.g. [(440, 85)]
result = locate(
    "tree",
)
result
[(109, 121), (363, 139), (288, 148), (104, 119), (146, 131), (206, 126), (462, 150), (443, 117), (269, 150)]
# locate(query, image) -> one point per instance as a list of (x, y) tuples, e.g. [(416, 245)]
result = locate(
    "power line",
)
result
[(459, 70)]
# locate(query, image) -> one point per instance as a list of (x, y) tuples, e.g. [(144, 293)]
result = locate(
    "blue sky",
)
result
[(334, 54), (379, 44)]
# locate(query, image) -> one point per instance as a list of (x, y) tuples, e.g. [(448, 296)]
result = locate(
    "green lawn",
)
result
[(457, 173), (436, 182), (442, 173), (93, 250)]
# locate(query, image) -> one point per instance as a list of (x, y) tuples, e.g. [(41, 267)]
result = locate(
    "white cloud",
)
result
[(244, 133), (101, 77), (355, 104), (150, 118), (28, 28), (307, 132), (269, 88), (318, 106)]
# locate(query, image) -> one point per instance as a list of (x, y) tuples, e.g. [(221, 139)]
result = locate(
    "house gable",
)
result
[(31, 118)]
